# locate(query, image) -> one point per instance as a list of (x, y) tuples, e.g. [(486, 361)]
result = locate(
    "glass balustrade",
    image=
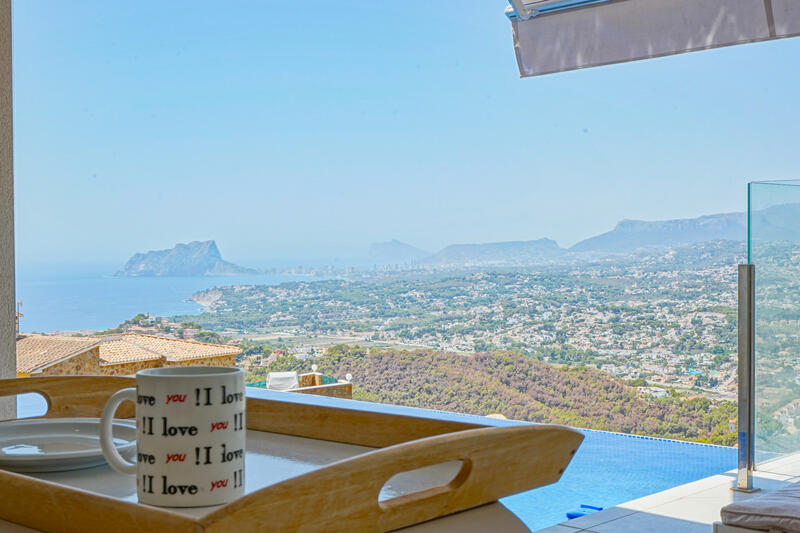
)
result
[(774, 248)]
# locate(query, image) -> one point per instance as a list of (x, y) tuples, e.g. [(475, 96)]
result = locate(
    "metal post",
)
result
[(744, 481)]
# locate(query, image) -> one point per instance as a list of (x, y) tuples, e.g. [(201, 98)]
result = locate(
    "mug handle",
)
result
[(115, 460)]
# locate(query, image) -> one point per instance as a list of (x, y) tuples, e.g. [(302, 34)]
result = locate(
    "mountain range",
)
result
[(629, 236), (497, 253), (395, 252), (776, 223), (197, 258)]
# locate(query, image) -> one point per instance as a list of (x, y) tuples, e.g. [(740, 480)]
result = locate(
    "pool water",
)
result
[(608, 469), (612, 468)]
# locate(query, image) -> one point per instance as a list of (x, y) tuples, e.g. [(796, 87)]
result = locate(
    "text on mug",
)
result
[(146, 458), (143, 399), (168, 488), (175, 398), (167, 430), (231, 455), (231, 397), (207, 455), (222, 483)]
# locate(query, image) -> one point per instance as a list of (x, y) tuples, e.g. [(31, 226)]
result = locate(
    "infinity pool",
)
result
[(609, 468), (612, 468)]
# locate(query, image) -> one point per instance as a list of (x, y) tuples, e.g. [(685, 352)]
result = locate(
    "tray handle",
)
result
[(496, 462), (72, 396), (403, 501)]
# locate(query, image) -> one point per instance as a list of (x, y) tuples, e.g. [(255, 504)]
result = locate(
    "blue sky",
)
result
[(291, 131)]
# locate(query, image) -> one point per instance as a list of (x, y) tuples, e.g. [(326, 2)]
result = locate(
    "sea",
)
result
[(93, 298)]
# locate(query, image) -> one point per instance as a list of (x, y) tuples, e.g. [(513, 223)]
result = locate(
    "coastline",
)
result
[(90, 300)]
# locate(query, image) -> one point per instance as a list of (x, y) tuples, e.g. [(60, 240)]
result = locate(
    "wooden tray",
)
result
[(341, 496)]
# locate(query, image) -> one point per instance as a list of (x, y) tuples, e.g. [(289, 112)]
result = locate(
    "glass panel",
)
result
[(774, 248)]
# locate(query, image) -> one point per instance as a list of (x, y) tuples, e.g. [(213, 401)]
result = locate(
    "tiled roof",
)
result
[(35, 352), (118, 351), (130, 347)]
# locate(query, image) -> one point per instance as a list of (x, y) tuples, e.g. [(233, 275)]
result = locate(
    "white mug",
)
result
[(190, 435)]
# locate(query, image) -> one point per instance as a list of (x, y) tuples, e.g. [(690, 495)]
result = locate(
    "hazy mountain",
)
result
[(395, 251), (777, 223), (630, 235), (194, 259), (497, 253)]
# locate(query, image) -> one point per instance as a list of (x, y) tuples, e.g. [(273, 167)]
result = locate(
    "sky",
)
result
[(304, 131)]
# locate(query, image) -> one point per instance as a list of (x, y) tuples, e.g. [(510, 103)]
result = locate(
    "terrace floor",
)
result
[(690, 508)]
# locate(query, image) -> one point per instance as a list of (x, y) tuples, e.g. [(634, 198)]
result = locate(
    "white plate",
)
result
[(57, 444)]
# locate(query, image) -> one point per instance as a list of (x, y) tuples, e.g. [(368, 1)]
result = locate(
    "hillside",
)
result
[(630, 235), (777, 223), (497, 253), (193, 259), (518, 387), (395, 251)]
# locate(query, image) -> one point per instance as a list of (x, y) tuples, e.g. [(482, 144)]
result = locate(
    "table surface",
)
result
[(271, 458), (492, 517)]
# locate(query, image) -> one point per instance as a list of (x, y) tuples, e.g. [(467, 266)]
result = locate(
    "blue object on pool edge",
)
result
[(582, 511)]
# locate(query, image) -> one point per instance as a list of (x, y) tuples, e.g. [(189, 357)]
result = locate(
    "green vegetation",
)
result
[(209, 337), (138, 320), (518, 387)]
